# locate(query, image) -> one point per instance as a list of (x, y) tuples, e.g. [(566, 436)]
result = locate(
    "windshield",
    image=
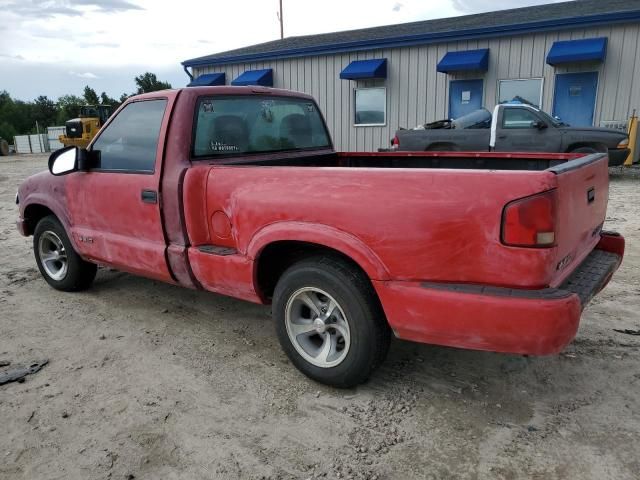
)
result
[(476, 119), (230, 125)]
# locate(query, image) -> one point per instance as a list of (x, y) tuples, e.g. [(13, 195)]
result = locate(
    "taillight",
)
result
[(395, 142), (530, 221)]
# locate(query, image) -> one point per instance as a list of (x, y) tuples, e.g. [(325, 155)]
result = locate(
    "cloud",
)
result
[(99, 44), (397, 7), (89, 75), (39, 9), (477, 6), (12, 57), (108, 5)]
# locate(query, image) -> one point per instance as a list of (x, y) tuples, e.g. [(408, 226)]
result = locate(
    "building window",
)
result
[(526, 90), (371, 106)]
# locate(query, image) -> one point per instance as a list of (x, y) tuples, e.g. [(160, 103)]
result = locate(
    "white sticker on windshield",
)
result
[(222, 147), (310, 107)]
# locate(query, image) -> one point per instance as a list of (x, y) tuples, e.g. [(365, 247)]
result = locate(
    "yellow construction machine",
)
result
[(80, 131)]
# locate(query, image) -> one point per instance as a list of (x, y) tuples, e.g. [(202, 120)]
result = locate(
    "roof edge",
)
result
[(427, 38)]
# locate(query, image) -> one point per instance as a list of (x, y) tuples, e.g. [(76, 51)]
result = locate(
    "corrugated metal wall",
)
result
[(416, 93), (53, 134), (31, 143)]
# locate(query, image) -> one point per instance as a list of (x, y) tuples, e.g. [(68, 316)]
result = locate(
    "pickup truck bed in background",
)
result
[(492, 251)]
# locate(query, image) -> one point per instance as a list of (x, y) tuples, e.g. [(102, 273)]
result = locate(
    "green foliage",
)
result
[(15, 116), (148, 82), (90, 96), (107, 100), (18, 117), (44, 111), (68, 108)]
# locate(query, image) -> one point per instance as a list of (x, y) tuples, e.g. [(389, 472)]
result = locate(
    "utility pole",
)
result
[(281, 22)]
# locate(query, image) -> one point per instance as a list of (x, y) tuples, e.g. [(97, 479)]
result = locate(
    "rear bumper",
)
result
[(535, 322), (617, 156)]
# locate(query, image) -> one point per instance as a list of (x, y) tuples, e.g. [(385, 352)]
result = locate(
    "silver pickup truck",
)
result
[(513, 128)]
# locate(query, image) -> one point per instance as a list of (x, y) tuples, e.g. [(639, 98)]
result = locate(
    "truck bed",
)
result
[(437, 160)]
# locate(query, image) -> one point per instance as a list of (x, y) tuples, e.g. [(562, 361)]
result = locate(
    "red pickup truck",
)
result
[(237, 190)]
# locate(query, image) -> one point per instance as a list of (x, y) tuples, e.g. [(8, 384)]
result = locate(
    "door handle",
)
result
[(149, 196)]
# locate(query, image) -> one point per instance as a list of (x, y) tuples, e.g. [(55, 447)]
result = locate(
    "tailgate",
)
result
[(583, 192)]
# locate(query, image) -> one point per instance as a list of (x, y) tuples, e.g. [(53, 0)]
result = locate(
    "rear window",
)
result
[(230, 125)]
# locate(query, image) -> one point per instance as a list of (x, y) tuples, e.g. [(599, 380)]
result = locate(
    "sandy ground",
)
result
[(151, 381)]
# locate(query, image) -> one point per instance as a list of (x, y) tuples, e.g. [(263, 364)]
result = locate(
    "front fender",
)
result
[(47, 191), (323, 235)]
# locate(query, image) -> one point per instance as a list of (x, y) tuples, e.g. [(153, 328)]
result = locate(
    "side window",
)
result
[(130, 141), (518, 118)]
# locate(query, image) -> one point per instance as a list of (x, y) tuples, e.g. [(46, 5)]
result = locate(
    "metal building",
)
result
[(577, 60)]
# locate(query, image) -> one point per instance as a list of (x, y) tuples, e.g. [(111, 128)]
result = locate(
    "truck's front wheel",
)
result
[(58, 262), (329, 321)]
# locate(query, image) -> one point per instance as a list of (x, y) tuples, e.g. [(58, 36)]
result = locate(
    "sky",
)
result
[(56, 47)]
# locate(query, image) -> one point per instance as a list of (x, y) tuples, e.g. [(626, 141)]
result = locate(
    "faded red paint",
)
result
[(402, 226)]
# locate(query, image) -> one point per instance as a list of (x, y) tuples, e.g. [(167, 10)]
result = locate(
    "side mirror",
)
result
[(64, 161), (539, 124), (73, 159)]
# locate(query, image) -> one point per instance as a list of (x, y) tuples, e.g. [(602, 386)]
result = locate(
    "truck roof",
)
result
[(227, 90)]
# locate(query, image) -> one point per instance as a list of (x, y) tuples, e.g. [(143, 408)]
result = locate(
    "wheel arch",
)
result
[(36, 209), (278, 246), (33, 213), (597, 146)]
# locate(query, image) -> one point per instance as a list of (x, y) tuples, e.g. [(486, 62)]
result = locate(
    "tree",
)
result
[(68, 108), (15, 116), (90, 96), (107, 100), (148, 82), (44, 111)]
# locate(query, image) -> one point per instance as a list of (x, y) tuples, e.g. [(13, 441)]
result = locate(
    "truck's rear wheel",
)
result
[(584, 150), (329, 321), (58, 262)]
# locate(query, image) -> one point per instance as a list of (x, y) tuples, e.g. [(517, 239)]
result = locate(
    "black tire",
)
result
[(79, 274), (352, 291)]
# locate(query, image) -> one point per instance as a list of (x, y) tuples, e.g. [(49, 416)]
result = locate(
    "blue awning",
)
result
[(208, 80), (465, 60), (572, 51), (360, 69), (255, 77)]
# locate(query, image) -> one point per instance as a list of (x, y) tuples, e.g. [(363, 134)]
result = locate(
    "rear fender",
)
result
[(323, 235)]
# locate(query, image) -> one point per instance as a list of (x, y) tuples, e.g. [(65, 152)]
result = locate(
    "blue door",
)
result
[(465, 96), (575, 98)]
